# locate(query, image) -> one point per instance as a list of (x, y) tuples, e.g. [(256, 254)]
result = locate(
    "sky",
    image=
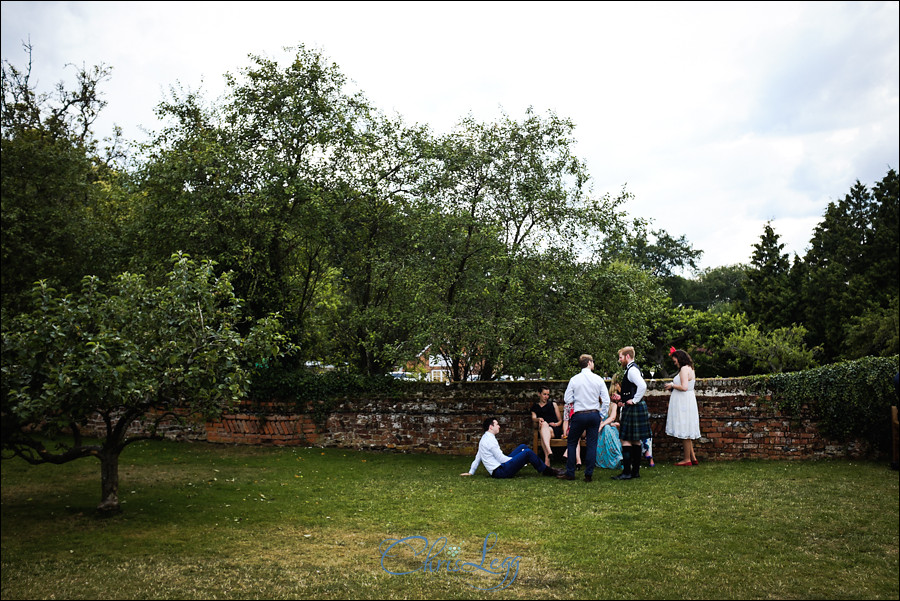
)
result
[(717, 117)]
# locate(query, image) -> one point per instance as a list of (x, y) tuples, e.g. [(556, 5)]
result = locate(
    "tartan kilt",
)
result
[(635, 422)]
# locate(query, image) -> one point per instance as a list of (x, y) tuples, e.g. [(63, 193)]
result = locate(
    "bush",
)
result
[(287, 382), (852, 399)]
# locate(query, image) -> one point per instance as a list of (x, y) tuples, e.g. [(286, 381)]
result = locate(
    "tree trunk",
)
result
[(487, 370), (109, 481)]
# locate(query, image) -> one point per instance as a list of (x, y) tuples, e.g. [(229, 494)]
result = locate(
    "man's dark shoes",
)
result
[(622, 476), (565, 476), (549, 471), (588, 478)]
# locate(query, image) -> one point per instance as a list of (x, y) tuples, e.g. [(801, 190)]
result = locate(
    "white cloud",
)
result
[(718, 116)]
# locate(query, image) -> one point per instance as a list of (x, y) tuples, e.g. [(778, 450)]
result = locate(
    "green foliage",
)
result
[(852, 399), (656, 251), (703, 335), (853, 268), (304, 191), (780, 350), (875, 332), (120, 352), (381, 249), (619, 306), (716, 289), (285, 382), (375, 239), (207, 190), (728, 344), (62, 203), (769, 296), (515, 213)]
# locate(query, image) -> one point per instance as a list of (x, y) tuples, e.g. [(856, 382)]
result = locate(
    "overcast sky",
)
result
[(718, 117)]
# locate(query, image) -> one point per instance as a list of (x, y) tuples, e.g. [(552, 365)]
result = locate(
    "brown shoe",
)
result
[(565, 476)]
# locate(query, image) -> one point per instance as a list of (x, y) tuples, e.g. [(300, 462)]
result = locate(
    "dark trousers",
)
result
[(579, 424), (520, 456)]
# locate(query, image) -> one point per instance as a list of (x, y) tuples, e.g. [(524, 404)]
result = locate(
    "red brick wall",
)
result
[(738, 425), (439, 418)]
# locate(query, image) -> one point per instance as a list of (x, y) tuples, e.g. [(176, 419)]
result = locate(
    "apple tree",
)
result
[(126, 353)]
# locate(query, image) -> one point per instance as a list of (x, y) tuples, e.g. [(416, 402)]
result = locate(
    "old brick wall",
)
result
[(440, 418)]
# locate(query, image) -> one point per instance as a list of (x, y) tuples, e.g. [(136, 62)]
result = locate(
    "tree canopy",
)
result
[(61, 201), (375, 239), (121, 353), (851, 270)]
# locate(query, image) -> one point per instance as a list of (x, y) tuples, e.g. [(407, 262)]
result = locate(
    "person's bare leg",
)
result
[(546, 434)]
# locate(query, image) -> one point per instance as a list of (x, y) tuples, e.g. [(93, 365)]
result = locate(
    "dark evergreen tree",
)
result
[(767, 282), (884, 258), (852, 268)]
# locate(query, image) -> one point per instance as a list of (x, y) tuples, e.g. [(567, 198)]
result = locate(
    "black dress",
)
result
[(549, 416)]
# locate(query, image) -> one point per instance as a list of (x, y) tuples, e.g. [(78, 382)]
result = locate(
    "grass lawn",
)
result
[(222, 522)]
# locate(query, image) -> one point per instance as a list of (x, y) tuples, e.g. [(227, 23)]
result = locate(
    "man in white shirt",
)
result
[(585, 391), (499, 465)]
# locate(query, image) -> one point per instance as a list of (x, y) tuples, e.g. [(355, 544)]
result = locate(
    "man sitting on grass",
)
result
[(498, 464)]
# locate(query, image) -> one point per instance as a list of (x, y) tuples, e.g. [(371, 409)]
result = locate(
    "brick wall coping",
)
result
[(446, 418)]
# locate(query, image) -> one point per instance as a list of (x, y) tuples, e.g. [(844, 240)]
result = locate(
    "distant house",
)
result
[(432, 368), (319, 367)]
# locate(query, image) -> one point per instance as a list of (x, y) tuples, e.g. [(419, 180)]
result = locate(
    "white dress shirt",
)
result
[(585, 390), (489, 453)]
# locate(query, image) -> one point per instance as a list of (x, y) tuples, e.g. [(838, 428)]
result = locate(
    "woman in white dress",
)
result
[(683, 420)]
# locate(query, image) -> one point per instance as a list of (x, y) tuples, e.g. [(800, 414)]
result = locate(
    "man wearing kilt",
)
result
[(635, 418)]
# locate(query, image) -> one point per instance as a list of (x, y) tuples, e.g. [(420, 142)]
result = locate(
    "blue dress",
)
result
[(609, 448)]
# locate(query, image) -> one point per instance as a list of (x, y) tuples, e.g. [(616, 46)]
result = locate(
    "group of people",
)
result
[(591, 411)]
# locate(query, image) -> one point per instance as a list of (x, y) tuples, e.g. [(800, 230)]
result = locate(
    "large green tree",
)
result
[(122, 353), (717, 289), (381, 246), (852, 268), (511, 194), (248, 181), (307, 193), (656, 251), (62, 202), (769, 297)]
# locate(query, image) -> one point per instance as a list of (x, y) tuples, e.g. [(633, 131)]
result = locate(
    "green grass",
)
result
[(206, 521)]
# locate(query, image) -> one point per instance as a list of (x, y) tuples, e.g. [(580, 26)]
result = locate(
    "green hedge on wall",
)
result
[(299, 386), (852, 400)]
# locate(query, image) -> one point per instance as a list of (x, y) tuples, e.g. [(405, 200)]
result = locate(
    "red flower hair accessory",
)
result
[(671, 351)]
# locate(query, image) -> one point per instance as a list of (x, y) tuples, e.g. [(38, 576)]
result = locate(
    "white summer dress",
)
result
[(683, 420)]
